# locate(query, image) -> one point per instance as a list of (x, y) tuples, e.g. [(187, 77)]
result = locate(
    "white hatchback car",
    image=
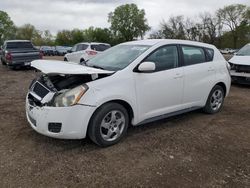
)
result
[(82, 52), (132, 83)]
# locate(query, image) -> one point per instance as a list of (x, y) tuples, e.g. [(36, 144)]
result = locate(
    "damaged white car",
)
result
[(132, 83), (240, 66)]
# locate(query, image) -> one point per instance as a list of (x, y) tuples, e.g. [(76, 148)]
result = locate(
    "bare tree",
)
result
[(232, 16)]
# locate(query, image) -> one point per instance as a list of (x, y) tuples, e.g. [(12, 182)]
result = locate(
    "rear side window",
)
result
[(81, 47), (12, 45), (193, 55), (210, 54), (100, 47)]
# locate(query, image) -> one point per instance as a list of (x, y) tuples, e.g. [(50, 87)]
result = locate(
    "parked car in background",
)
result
[(240, 66), (19, 53), (228, 51), (132, 83), (61, 50), (82, 52), (47, 50)]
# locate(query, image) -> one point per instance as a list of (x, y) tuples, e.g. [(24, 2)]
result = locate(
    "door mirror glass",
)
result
[(146, 67)]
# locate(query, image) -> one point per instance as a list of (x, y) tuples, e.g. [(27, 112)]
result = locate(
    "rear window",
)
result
[(12, 45), (99, 47), (193, 55)]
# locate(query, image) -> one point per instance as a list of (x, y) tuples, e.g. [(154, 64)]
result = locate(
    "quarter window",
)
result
[(193, 55), (164, 58), (210, 54)]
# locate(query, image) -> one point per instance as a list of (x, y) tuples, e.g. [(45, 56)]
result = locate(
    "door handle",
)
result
[(178, 75), (210, 69)]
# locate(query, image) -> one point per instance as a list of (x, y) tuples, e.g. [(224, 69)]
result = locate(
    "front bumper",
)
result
[(74, 120), (240, 77)]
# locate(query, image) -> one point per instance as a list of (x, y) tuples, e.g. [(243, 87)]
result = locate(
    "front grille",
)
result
[(33, 101), (54, 127), (40, 90), (240, 68), (33, 121)]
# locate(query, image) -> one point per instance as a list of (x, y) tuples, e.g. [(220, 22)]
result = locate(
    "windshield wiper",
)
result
[(97, 67)]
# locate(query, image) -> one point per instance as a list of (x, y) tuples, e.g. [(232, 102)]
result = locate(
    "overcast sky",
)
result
[(56, 15)]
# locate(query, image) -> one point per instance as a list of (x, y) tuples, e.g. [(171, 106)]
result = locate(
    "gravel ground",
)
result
[(190, 150)]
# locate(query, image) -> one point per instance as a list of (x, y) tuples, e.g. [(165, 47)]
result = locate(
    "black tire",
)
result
[(213, 106), (65, 59), (82, 62), (95, 129), (3, 63)]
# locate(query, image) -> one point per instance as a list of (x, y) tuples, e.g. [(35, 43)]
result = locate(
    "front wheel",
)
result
[(215, 100), (109, 124), (65, 59)]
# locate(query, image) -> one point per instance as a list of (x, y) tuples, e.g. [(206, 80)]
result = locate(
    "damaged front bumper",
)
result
[(240, 77), (59, 122)]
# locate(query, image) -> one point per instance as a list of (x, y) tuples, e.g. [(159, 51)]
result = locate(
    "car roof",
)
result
[(152, 42)]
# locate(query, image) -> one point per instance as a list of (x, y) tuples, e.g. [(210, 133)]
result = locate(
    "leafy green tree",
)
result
[(7, 28), (128, 22), (27, 32), (232, 16), (64, 37)]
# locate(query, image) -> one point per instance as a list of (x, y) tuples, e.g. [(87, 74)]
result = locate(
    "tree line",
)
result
[(227, 27)]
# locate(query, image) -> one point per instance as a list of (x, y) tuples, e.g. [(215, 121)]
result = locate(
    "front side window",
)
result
[(193, 55), (164, 58), (82, 47), (73, 49)]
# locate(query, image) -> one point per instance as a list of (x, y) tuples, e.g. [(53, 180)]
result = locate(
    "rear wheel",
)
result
[(3, 63), (109, 124), (215, 100), (65, 59)]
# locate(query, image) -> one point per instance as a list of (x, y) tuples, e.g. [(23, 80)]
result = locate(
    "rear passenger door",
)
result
[(199, 75)]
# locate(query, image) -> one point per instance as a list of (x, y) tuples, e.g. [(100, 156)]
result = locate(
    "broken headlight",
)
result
[(70, 97)]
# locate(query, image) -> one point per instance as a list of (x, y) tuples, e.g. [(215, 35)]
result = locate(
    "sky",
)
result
[(56, 15)]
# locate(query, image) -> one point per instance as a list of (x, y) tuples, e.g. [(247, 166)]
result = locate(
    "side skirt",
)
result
[(164, 116)]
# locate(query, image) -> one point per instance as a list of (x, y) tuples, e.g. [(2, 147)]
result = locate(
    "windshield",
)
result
[(118, 57), (244, 51)]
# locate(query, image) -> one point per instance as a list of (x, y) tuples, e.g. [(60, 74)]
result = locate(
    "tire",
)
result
[(3, 63), (108, 124), (215, 100), (65, 59), (82, 62)]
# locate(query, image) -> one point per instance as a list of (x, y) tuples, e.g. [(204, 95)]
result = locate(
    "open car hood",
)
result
[(62, 67), (240, 60)]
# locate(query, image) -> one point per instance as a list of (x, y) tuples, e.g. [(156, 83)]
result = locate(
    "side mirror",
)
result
[(146, 67)]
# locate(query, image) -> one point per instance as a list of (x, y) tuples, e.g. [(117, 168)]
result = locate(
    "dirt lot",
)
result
[(190, 150)]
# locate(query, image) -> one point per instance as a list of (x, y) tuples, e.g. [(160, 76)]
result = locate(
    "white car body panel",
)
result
[(62, 67), (148, 94), (240, 60)]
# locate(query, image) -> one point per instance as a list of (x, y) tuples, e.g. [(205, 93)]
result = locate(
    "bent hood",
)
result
[(62, 67), (240, 60)]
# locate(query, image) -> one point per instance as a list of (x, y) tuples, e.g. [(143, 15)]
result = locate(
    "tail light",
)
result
[(41, 54), (91, 52), (8, 56)]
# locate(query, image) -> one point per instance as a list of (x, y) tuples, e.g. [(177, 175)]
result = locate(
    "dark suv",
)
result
[(19, 53)]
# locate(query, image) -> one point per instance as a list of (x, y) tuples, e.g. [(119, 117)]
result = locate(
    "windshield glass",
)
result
[(244, 51), (118, 57)]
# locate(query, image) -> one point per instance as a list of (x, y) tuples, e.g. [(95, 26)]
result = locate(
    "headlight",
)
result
[(70, 97)]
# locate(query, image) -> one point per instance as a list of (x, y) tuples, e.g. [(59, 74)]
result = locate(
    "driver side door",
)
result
[(161, 91)]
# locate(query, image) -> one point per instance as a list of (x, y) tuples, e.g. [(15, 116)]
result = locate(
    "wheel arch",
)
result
[(223, 85), (124, 103)]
